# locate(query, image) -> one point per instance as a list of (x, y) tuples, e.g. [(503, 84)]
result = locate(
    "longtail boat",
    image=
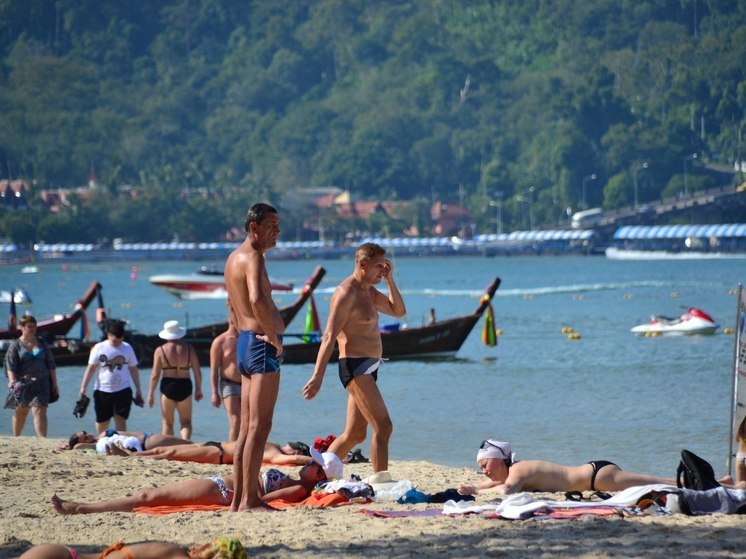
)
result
[(440, 339)]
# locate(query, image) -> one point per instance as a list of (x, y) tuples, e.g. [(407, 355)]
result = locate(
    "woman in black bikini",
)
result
[(175, 359)]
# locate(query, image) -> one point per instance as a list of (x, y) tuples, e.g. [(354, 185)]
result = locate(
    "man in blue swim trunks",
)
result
[(258, 349), (353, 324)]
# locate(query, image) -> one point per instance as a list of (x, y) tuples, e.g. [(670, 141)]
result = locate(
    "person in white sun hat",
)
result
[(175, 361)]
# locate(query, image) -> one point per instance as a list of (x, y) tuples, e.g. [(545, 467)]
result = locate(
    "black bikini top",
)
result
[(179, 367)]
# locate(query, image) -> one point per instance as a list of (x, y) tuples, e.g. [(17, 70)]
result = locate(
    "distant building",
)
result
[(449, 218), (55, 198), (14, 194)]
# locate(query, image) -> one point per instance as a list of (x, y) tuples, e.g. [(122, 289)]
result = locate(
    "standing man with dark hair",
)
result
[(115, 363), (258, 350), (353, 322)]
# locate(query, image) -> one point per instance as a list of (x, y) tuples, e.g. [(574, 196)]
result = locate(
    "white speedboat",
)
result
[(693, 321), (203, 284)]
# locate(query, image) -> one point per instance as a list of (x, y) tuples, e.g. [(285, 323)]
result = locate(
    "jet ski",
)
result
[(693, 321)]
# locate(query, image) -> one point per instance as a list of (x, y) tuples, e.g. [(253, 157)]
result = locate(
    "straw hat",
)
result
[(172, 331)]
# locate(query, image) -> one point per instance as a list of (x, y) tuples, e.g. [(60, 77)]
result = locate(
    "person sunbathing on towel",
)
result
[(507, 476), (133, 440), (213, 452), (273, 484), (220, 548)]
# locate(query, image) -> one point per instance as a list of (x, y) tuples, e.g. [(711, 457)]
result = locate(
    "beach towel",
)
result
[(522, 505), (320, 500)]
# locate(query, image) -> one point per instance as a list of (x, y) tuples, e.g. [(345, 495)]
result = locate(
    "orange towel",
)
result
[(321, 500)]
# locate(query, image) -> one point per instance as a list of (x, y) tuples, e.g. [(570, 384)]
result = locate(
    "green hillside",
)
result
[(206, 106)]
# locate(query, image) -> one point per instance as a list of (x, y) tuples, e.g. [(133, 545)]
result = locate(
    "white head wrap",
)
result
[(495, 449)]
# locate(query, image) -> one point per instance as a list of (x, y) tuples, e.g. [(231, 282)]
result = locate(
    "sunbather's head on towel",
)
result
[(329, 462), (299, 448), (220, 548), (492, 448), (80, 437)]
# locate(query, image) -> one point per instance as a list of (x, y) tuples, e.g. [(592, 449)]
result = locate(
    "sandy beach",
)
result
[(31, 470)]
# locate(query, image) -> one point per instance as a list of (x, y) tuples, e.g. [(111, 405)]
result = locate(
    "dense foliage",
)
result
[(461, 100)]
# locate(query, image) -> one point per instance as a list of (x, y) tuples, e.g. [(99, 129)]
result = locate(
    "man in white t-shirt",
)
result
[(115, 363)]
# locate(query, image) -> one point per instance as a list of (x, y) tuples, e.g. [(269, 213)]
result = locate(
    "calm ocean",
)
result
[(609, 395)]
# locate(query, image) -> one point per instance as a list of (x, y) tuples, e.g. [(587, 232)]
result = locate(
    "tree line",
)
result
[(559, 105)]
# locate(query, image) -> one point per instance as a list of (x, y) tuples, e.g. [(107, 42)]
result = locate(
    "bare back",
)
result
[(538, 475), (250, 291), (224, 352), (176, 360), (360, 335)]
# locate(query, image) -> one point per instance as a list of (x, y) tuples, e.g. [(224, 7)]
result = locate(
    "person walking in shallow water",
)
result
[(32, 378), (353, 323), (175, 360), (114, 363), (225, 380), (258, 350)]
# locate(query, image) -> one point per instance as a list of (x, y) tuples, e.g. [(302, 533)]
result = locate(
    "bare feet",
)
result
[(117, 450), (64, 507), (259, 506)]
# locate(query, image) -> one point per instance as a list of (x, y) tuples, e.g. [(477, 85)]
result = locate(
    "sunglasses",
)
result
[(488, 443)]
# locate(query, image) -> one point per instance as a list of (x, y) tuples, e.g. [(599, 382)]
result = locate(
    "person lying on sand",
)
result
[(273, 484), (135, 440), (213, 452), (220, 548), (507, 476)]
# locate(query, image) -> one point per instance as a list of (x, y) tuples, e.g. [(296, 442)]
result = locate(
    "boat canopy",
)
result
[(539, 235), (64, 247), (409, 241), (681, 231)]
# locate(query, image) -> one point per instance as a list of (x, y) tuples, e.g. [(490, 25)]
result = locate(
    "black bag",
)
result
[(81, 406), (695, 473)]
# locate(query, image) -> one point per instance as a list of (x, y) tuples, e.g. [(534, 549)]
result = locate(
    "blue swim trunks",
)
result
[(254, 356)]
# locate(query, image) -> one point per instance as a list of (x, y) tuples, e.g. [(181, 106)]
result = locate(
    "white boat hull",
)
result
[(694, 326), (199, 286)]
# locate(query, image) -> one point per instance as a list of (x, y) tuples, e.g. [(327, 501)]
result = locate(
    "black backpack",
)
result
[(695, 473)]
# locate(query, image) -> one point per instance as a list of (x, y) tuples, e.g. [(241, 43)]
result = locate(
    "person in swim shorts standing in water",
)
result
[(225, 380), (258, 350), (353, 323)]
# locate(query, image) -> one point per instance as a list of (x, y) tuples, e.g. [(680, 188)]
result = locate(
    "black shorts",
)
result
[(109, 404)]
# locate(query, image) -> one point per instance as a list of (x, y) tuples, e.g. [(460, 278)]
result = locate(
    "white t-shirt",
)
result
[(126, 441), (113, 366)]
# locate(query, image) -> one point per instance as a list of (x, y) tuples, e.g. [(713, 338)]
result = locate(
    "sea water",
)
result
[(608, 395)]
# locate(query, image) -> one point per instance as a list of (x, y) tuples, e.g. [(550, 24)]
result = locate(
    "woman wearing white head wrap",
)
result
[(505, 476), (491, 448)]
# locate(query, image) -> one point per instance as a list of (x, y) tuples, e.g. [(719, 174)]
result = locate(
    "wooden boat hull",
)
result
[(201, 337), (442, 339), (59, 325)]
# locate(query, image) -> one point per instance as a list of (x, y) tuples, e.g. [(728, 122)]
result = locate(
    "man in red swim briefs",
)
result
[(353, 323)]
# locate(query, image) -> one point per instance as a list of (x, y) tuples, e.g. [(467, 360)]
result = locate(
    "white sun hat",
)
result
[(172, 331)]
